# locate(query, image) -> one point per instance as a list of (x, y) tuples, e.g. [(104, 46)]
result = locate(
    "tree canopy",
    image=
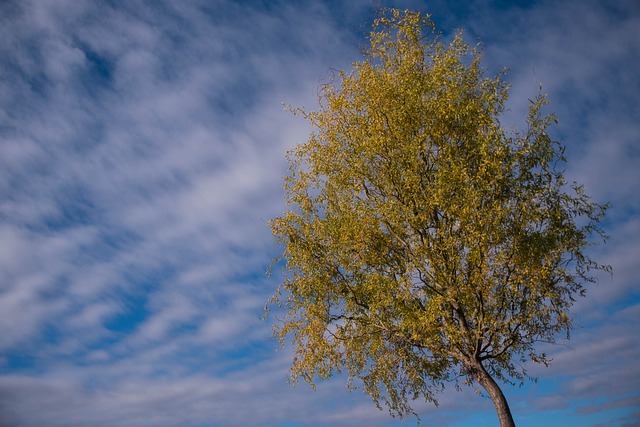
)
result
[(425, 243)]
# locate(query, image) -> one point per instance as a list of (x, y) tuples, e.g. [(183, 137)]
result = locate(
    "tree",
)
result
[(425, 243)]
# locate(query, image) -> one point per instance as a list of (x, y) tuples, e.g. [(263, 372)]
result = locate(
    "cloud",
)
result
[(141, 159)]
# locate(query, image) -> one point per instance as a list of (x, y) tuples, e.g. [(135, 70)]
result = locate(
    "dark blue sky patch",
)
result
[(134, 312), (18, 361), (99, 70), (34, 357), (133, 302)]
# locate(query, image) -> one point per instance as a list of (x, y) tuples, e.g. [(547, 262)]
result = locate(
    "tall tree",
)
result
[(425, 243)]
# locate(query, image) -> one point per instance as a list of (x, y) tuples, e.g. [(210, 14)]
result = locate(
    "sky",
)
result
[(142, 153)]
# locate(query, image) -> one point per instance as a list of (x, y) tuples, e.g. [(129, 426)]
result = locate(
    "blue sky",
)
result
[(142, 152)]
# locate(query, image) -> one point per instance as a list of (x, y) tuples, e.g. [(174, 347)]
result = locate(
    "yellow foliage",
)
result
[(423, 237)]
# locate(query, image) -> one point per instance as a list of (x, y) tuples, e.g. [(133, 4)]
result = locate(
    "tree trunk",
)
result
[(480, 374)]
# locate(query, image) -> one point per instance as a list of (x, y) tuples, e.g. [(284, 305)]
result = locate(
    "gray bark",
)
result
[(482, 377)]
